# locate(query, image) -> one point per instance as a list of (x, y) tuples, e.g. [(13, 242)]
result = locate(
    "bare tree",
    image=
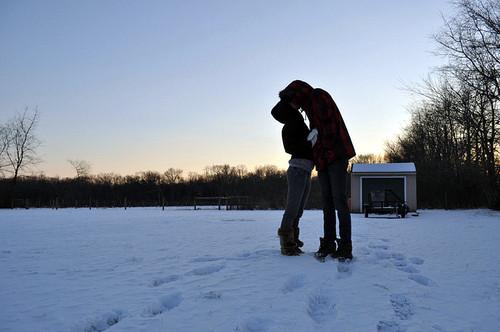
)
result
[(173, 175), (369, 158), (22, 143), (82, 167), (471, 40), (4, 145)]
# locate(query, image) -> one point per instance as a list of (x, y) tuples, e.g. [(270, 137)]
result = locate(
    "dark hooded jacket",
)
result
[(334, 141), (294, 132)]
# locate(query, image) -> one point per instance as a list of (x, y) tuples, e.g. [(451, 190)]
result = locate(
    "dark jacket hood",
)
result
[(285, 113), (298, 92)]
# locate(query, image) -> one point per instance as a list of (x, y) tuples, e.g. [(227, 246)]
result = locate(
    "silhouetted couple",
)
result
[(327, 146)]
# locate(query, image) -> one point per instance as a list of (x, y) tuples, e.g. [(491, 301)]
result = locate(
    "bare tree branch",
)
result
[(22, 143), (82, 167)]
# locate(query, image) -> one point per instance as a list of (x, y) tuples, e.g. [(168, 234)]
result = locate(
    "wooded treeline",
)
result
[(266, 186), (454, 133)]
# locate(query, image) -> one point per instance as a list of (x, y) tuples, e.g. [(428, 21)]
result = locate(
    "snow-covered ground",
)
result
[(210, 270)]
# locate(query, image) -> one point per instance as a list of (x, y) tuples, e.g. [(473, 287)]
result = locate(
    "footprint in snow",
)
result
[(212, 295), (258, 254), (345, 268), (255, 324), (380, 255), (420, 279), (398, 259), (293, 283), (204, 259), (378, 246), (165, 280), (202, 271), (162, 304), (103, 322), (401, 306), (388, 326), (409, 269), (321, 307), (416, 260)]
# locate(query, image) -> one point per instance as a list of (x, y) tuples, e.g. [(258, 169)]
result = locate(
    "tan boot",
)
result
[(287, 243)]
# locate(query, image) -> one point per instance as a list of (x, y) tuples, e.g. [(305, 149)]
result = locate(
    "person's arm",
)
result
[(295, 138), (327, 111)]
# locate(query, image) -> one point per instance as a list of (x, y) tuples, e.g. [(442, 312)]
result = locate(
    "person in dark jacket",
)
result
[(331, 153), (295, 141)]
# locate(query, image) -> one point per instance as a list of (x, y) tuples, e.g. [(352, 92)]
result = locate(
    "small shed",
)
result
[(399, 177)]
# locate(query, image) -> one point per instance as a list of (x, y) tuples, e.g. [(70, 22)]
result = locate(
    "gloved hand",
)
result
[(313, 136)]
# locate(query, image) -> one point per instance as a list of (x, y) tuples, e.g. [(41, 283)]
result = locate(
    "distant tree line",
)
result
[(454, 133), (266, 187)]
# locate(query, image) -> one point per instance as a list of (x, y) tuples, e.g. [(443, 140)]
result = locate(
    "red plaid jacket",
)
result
[(334, 141)]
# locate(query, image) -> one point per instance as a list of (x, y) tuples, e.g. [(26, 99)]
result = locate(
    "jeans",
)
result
[(299, 186), (333, 183)]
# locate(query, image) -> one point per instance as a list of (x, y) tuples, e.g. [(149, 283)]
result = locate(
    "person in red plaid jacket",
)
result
[(332, 151)]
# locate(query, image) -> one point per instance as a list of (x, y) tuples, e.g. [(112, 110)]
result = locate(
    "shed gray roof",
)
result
[(384, 168)]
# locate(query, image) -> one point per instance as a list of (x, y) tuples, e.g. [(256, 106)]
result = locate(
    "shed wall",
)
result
[(410, 193)]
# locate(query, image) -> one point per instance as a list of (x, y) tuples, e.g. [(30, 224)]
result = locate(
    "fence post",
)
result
[(125, 202), (162, 203), (219, 202), (446, 200)]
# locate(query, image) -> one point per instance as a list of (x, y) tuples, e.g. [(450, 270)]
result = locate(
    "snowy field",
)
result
[(210, 270)]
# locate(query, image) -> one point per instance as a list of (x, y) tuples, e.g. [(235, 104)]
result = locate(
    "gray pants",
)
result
[(333, 183), (299, 186)]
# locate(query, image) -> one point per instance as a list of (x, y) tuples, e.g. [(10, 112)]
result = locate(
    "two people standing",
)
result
[(331, 150)]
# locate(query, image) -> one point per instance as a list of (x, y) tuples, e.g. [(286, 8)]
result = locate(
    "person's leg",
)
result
[(296, 184), (327, 244), (286, 232), (305, 195), (329, 222), (338, 178)]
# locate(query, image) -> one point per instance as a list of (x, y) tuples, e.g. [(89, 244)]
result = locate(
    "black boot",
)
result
[(296, 232), (326, 247), (344, 250), (288, 245)]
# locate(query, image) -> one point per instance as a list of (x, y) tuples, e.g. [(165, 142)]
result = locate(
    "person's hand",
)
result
[(313, 136)]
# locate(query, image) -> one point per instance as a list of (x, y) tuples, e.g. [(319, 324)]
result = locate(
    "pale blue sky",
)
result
[(133, 86)]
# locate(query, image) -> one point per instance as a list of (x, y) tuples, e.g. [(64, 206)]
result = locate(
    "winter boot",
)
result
[(288, 245), (344, 250), (296, 232), (326, 247)]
